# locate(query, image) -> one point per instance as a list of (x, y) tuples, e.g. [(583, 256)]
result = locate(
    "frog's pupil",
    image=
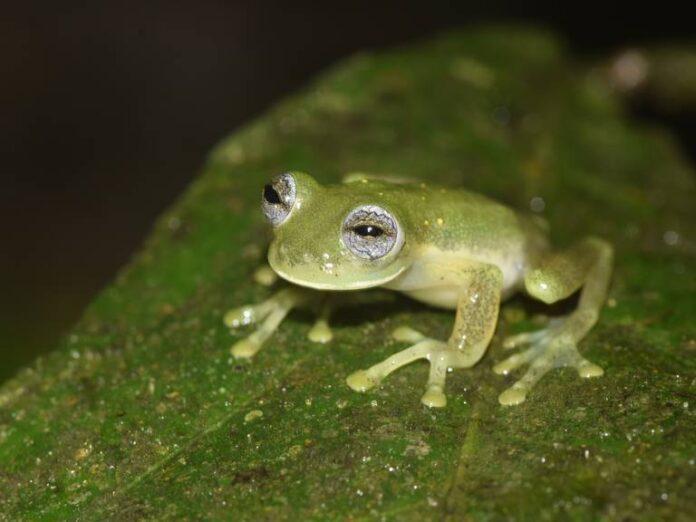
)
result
[(368, 231), (271, 195)]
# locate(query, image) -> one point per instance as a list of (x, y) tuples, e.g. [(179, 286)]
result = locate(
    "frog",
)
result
[(446, 247)]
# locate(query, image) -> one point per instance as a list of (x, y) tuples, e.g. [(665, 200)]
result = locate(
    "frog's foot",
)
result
[(438, 353), (552, 347), (270, 314), (321, 331)]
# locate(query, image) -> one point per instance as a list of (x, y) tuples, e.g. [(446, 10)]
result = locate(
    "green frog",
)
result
[(443, 246)]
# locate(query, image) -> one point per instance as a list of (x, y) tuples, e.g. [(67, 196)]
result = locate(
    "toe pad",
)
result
[(512, 397), (360, 381)]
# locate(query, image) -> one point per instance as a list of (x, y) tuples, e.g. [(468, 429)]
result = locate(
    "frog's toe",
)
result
[(320, 332), (361, 381), (512, 397), (265, 276), (514, 361), (587, 369), (523, 339), (541, 363), (536, 337), (241, 316), (245, 349), (434, 397)]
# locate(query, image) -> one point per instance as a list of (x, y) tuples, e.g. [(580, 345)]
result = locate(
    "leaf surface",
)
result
[(142, 412)]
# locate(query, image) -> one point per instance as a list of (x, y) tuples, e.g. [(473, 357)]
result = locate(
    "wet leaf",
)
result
[(142, 412)]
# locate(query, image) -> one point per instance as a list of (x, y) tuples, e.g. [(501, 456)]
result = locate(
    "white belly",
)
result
[(438, 296), (424, 281)]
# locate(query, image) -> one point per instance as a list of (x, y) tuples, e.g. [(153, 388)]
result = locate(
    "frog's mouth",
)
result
[(332, 285), (310, 276)]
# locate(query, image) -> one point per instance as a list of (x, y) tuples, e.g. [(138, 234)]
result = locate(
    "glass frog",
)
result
[(446, 247)]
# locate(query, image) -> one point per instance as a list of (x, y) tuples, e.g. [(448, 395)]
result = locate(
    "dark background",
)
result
[(108, 109)]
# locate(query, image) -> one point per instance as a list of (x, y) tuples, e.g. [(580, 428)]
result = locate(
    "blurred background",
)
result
[(108, 110)]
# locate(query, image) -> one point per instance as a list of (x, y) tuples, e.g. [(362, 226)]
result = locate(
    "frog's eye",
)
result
[(371, 232), (278, 198)]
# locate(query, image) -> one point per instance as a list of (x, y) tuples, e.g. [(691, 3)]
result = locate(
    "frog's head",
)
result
[(342, 237)]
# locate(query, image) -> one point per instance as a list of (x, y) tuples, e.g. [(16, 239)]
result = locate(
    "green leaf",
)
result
[(142, 412)]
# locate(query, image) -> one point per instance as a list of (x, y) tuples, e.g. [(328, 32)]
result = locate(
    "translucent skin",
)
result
[(307, 249), (458, 250)]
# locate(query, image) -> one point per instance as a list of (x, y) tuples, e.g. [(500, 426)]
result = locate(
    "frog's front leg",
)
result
[(477, 315), (587, 265), (321, 331), (270, 313)]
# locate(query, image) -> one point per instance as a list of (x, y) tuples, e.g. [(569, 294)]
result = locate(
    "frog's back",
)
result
[(451, 218), (447, 222)]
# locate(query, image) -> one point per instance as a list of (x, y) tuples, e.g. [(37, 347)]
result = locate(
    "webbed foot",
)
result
[(549, 348), (438, 353)]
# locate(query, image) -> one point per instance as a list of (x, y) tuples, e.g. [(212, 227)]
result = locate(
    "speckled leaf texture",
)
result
[(140, 413)]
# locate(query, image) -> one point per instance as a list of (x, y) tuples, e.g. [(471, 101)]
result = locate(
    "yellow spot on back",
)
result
[(440, 221)]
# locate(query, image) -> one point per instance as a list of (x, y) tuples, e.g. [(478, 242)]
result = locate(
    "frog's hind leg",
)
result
[(587, 265), (270, 314)]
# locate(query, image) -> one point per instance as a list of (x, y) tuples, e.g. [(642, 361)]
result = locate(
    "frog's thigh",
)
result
[(562, 273)]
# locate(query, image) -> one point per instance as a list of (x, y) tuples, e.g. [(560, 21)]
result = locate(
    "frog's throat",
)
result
[(360, 284)]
